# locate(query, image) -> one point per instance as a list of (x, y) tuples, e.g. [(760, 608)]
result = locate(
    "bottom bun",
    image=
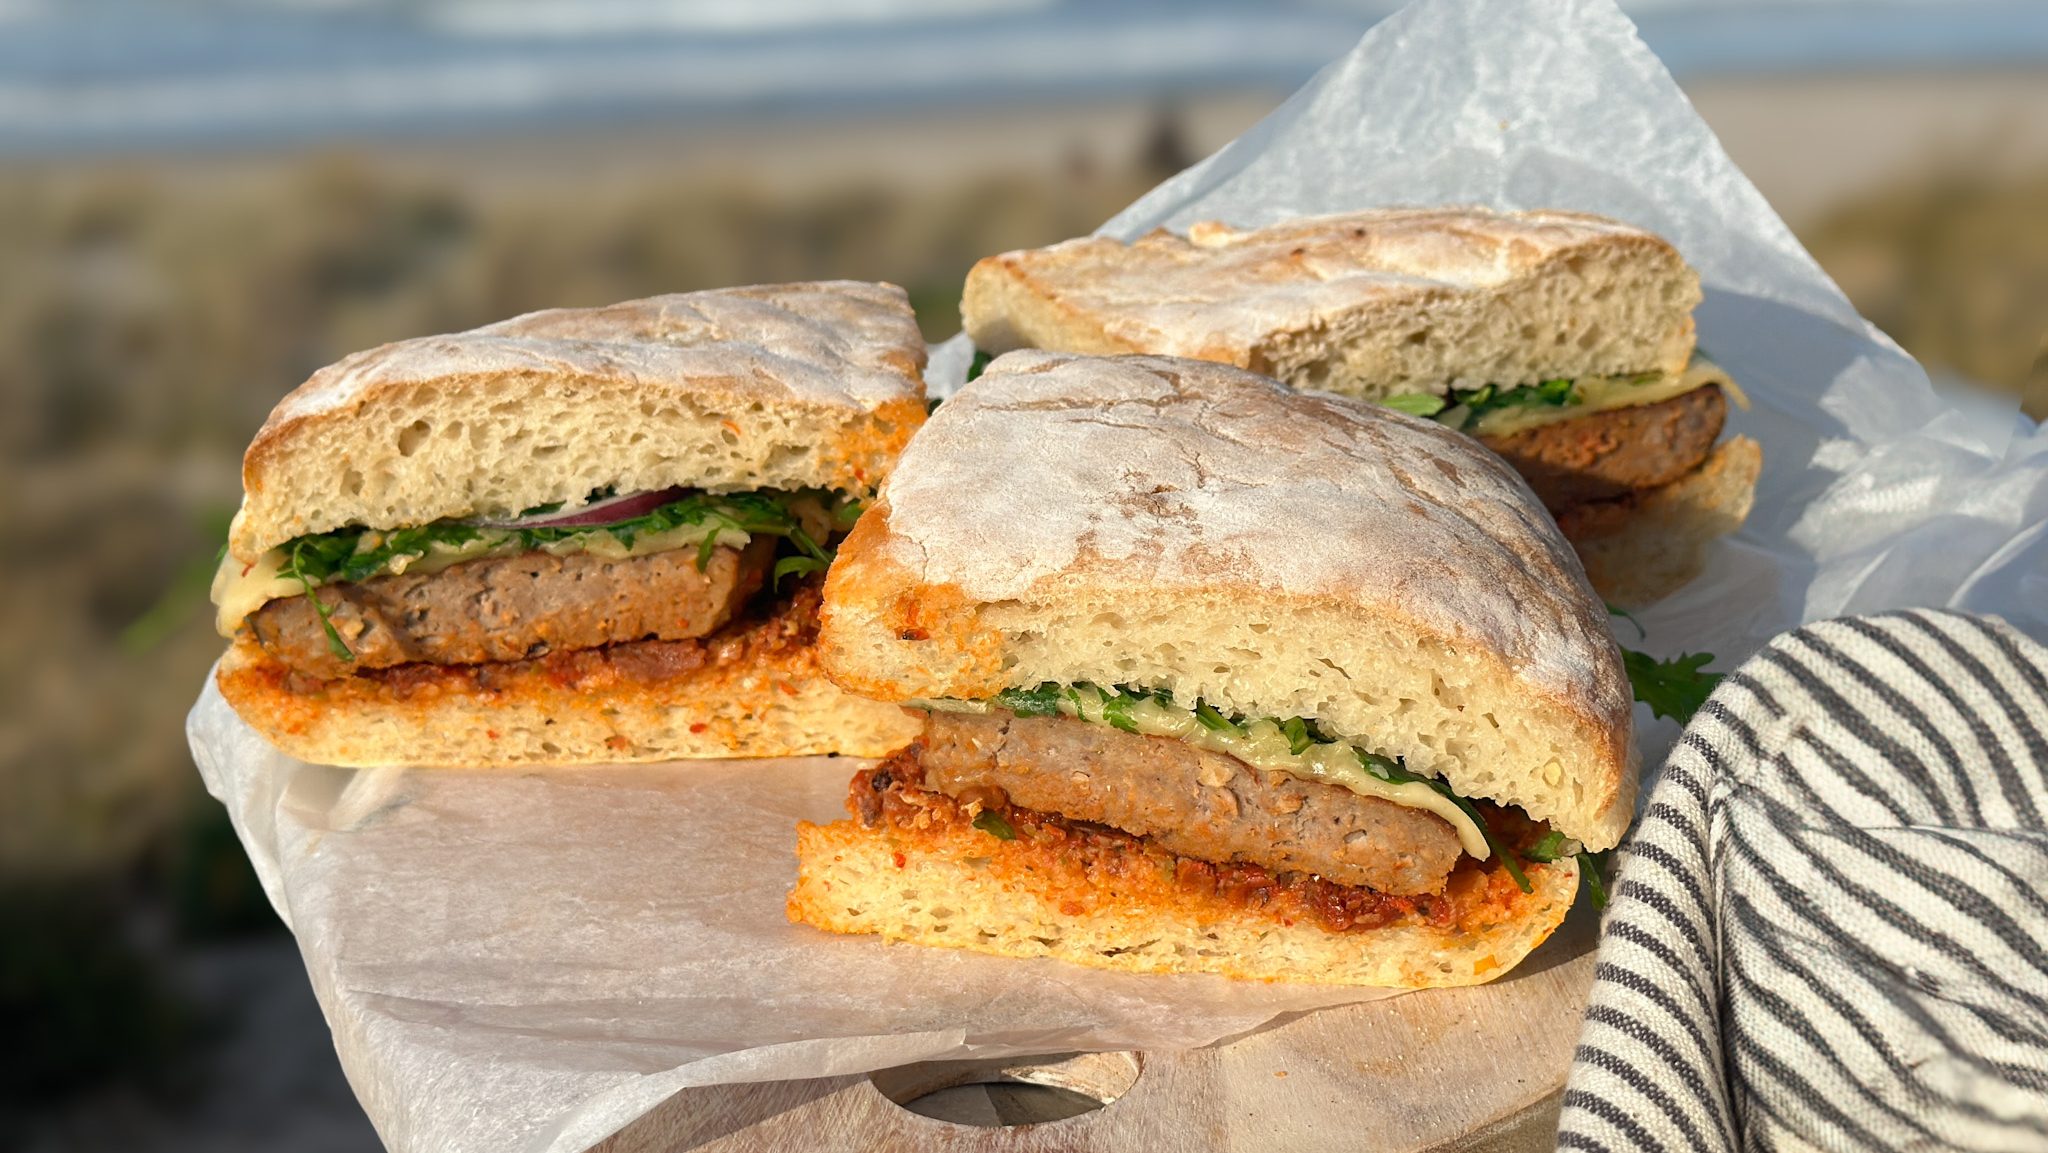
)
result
[(951, 884), (1644, 547), (775, 704)]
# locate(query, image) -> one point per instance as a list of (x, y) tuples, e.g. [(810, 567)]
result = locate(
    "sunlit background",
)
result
[(203, 201)]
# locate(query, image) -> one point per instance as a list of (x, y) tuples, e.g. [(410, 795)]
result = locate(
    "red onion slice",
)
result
[(605, 511)]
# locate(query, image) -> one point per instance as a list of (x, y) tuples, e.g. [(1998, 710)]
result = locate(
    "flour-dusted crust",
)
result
[(778, 386), (1366, 304), (1185, 525)]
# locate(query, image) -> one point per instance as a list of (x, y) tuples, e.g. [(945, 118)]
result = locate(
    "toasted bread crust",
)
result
[(814, 385), (1367, 304)]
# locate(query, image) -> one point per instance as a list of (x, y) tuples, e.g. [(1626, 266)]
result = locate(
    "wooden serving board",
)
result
[(1453, 1069)]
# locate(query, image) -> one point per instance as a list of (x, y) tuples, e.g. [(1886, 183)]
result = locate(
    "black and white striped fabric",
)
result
[(1831, 927)]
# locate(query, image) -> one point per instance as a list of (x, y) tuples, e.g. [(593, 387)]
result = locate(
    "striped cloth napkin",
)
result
[(1831, 926)]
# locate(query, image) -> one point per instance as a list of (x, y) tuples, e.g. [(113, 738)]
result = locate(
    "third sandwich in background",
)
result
[(1563, 341)]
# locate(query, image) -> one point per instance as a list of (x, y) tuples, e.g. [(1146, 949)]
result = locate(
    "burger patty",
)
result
[(511, 608), (1188, 800), (1610, 454)]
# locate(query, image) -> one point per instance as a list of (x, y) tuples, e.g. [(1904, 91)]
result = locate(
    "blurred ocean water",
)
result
[(93, 75)]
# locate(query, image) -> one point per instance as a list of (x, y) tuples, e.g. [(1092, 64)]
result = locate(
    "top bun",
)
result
[(1366, 303), (1182, 525), (781, 386)]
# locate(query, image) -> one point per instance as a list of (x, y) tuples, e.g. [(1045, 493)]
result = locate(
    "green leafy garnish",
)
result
[(802, 565), (1213, 720), (1465, 405), (1630, 617), (991, 822), (1043, 701), (1591, 866), (847, 513), (1555, 846), (1160, 697), (1396, 772), (295, 569), (1675, 688), (1489, 398), (1296, 731), (975, 367), (356, 554), (1116, 709), (1416, 403)]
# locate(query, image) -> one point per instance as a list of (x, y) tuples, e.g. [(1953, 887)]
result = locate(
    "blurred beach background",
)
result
[(203, 201)]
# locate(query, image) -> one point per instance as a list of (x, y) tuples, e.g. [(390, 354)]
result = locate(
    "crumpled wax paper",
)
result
[(529, 961)]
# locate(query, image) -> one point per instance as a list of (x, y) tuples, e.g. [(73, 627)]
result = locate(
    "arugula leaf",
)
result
[(1416, 403), (356, 554), (1116, 709), (1591, 866), (295, 569), (1213, 720), (794, 564), (991, 822), (1489, 398), (1159, 697), (975, 368), (1296, 731), (1675, 688), (1043, 701), (1630, 617), (1461, 406), (847, 512), (1396, 772), (1553, 846)]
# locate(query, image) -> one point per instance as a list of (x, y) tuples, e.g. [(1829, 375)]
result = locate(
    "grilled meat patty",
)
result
[(1613, 453), (512, 608), (1188, 800)]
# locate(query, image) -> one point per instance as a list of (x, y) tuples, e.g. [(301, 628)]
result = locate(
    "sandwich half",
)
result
[(1562, 341), (1219, 677), (577, 536)]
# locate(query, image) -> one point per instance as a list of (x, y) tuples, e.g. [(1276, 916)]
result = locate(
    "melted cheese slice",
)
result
[(241, 587), (1605, 393), (1263, 746)]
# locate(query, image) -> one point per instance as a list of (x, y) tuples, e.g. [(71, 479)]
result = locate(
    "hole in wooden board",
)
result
[(1010, 1091)]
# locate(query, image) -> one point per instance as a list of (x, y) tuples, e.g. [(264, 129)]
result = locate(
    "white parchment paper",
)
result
[(530, 961)]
